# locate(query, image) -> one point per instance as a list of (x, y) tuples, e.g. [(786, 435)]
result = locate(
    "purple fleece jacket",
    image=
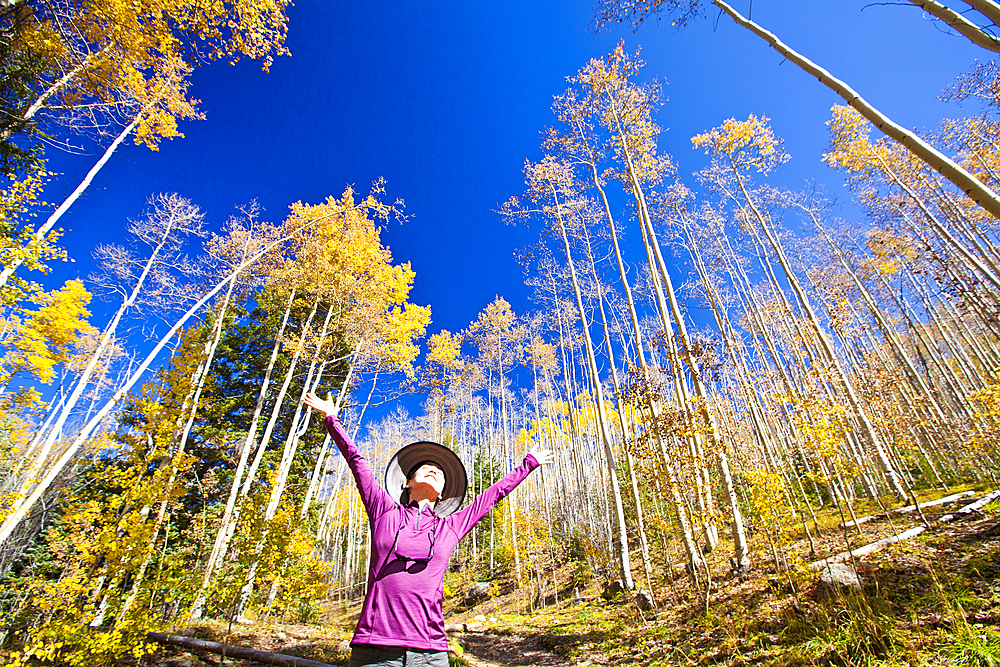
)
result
[(403, 605)]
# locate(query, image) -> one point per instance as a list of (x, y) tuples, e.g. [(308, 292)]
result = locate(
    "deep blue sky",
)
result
[(446, 100)]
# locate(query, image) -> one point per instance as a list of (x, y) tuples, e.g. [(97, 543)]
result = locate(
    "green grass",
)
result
[(933, 600), (975, 647), (918, 596)]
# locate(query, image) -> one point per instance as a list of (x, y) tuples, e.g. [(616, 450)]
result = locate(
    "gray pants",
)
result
[(372, 655)]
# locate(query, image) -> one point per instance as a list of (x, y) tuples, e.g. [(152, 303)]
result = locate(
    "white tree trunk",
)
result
[(40, 233), (230, 515), (15, 517), (103, 345), (966, 182), (960, 24), (622, 552)]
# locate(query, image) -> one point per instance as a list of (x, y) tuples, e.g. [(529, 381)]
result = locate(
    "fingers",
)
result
[(318, 404), (544, 456)]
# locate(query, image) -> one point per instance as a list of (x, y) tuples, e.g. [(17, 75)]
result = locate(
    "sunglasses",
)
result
[(425, 560)]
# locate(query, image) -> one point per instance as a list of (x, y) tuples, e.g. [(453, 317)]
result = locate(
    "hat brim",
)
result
[(455, 478)]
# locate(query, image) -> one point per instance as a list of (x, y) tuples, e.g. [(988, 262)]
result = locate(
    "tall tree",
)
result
[(684, 10)]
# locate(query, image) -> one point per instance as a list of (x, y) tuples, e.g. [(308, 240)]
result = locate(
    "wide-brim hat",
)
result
[(405, 460)]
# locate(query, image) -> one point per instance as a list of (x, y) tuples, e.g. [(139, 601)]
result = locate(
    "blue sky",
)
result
[(445, 100)]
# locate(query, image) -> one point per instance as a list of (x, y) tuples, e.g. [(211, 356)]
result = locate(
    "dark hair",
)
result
[(417, 467)]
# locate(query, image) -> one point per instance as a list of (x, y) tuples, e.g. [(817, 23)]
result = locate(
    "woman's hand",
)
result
[(328, 407), (543, 456)]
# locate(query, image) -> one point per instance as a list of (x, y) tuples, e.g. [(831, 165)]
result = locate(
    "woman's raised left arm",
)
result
[(466, 519)]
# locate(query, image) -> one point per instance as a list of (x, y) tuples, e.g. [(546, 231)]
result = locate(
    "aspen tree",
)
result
[(107, 65), (853, 151), (101, 55), (606, 93), (39, 237), (582, 146), (625, 110), (551, 186), (295, 225), (737, 148), (141, 282), (230, 514), (441, 362), (617, 10), (620, 407), (888, 332), (347, 272), (499, 337), (958, 22)]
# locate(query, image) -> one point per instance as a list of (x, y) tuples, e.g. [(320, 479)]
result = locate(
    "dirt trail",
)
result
[(487, 650)]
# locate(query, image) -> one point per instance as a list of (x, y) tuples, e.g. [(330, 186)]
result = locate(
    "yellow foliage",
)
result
[(532, 534), (544, 432), (626, 111), (823, 425), (444, 349), (41, 339), (982, 445), (852, 150), (542, 356), (108, 53), (749, 144), (890, 251), (19, 204), (339, 257), (303, 577), (763, 489), (851, 147), (498, 335)]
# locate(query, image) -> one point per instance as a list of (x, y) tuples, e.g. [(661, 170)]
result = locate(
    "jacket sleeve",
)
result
[(375, 498), (466, 519)]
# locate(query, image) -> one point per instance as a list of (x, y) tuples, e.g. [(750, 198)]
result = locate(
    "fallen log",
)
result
[(463, 627), (263, 657), (955, 497), (912, 532), (867, 549), (974, 507)]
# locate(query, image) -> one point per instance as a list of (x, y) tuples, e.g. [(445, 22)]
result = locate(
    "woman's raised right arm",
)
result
[(376, 500)]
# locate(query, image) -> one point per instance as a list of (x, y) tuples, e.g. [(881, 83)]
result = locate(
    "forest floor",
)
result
[(930, 600)]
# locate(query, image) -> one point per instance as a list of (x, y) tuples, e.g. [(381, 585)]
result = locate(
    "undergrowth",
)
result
[(934, 600)]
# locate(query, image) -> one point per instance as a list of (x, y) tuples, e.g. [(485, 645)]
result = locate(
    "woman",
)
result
[(413, 536)]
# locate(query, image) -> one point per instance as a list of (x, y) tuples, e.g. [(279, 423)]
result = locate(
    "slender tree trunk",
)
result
[(16, 516), (104, 343), (230, 515), (622, 552), (960, 24), (948, 168), (987, 8), (40, 233), (56, 86)]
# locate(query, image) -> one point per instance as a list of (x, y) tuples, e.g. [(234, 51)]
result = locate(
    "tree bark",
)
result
[(15, 517), (107, 337), (960, 24), (987, 8), (40, 233), (966, 182), (230, 514), (622, 550)]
